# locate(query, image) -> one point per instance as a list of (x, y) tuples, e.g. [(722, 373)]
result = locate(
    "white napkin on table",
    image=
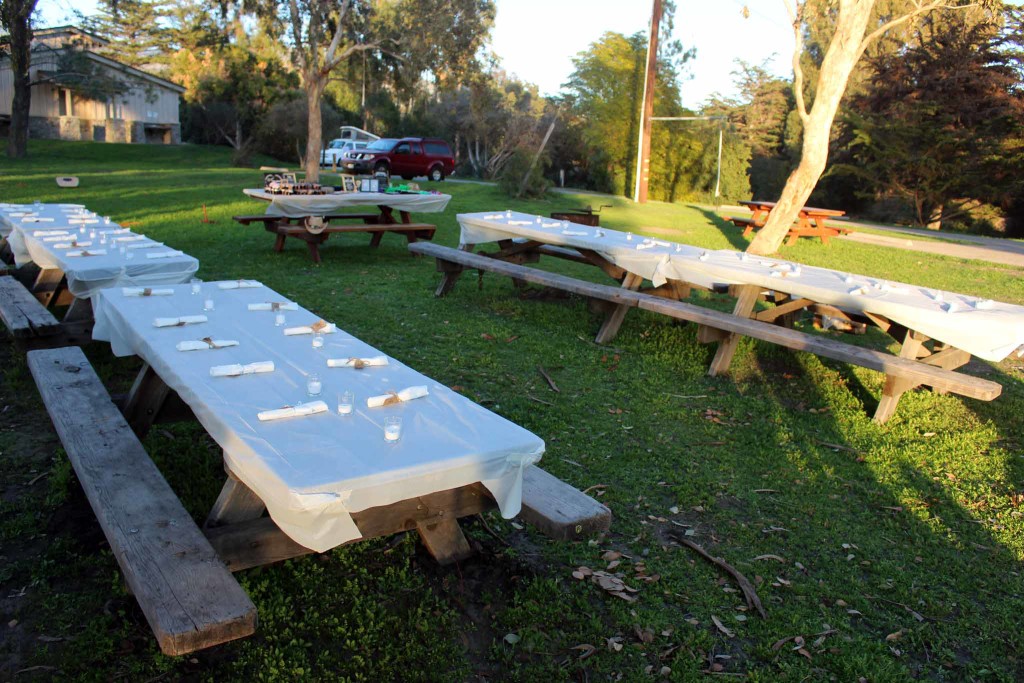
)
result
[(145, 291), (130, 238), (71, 245), (50, 233), (177, 322), (35, 219), (275, 306), (556, 224), (71, 206), (87, 252), (166, 254), (116, 230), (311, 408), (520, 222), (149, 245), (393, 397), (574, 233), (21, 214), (84, 221), (357, 363), (207, 343), (237, 369), (321, 327), (56, 236), (240, 284)]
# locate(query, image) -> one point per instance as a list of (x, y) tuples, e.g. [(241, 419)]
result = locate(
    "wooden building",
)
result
[(146, 113)]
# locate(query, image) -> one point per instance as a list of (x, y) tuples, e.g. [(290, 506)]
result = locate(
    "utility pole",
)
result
[(643, 160)]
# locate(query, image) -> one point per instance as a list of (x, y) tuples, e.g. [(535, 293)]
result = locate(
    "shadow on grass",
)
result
[(731, 232)]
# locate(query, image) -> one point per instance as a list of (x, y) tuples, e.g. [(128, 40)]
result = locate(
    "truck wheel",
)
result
[(436, 174)]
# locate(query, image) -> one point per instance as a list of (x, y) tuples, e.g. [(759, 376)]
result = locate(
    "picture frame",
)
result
[(348, 183), (369, 185)]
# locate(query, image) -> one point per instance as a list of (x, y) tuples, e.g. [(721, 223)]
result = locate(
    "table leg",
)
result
[(236, 503), (745, 300), (147, 396), (80, 310), (895, 387), (613, 321), (49, 283), (444, 540), (376, 238)]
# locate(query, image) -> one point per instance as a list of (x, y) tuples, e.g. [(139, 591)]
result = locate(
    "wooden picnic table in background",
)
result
[(810, 222)]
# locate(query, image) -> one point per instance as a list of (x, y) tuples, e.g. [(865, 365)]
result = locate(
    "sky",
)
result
[(537, 39)]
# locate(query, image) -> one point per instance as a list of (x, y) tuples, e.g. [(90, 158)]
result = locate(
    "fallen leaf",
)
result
[(613, 564), (722, 627), (615, 644), (770, 557), (488, 337), (645, 635), (894, 636), (511, 638), (586, 649), (610, 555)]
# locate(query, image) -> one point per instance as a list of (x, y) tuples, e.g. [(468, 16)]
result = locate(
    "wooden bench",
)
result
[(315, 235), (188, 596), (902, 374), (33, 326)]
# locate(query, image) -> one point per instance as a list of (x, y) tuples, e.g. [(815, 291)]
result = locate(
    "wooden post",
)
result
[(745, 300), (643, 162), (536, 157)]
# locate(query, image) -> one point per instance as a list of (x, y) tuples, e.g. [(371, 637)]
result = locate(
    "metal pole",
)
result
[(643, 162), (718, 179)]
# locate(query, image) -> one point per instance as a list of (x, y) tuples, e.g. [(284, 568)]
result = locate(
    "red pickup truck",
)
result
[(405, 157)]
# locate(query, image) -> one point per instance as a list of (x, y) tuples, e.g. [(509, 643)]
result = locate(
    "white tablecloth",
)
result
[(987, 329), (18, 214), (36, 243), (298, 206), (313, 471)]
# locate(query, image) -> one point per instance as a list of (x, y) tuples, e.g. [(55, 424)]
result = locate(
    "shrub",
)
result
[(512, 176)]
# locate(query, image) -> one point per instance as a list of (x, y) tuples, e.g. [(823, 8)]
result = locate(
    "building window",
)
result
[(64, 101), (115, 109)]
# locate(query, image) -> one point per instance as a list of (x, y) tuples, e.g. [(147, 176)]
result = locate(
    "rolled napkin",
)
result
[(72, 245), (520, 222), (178, 322), (21, 214), (357, 363), (205, 343), (319, 326), (149, 245), (71, 206), (238, 369), (37, 219), (556, 224), (166, 254), (130, 238), (240, 284), (576, 233), (301, 410), (84, 221), (50, 233), (145, 291), (493, 217), (116, 231), (275, 306), (86, 252), (393, 397)]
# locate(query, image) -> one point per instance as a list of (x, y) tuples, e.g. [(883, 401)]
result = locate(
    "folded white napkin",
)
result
[(71, 245), (240, 284), (178, 322), (71, 206), (130, 238), (165, 254), (36, 219), (205, 343), (275, 306), (87, 252), (50, 233), (520, 222), (115, 231), (493, 217), (311, 408), (574, 233), (319, 326), (56, 237), (239, 369), (148, 245), (556, 224), (394, 397), (145, 291), (21, 214), (84, 221), (357, 363)]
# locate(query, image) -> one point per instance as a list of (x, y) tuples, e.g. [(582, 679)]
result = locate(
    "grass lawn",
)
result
[(880, 552)]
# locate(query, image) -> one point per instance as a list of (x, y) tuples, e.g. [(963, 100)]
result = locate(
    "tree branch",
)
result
[(336, 41), (795, 15), (300, 52), (357, 47), (921, 9)]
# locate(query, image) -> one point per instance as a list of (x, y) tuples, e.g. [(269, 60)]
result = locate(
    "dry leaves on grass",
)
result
[(727, 632), (611, 583)]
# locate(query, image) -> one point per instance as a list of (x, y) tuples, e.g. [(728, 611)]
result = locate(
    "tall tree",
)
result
[(848, 42), (16, 19), (943, 122), (135, 29)]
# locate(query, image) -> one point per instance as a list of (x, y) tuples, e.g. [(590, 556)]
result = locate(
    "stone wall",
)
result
[(74, 128)]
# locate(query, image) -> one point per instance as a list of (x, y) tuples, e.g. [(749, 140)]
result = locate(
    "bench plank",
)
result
[(23, 314), (189, 598), (559, 510)]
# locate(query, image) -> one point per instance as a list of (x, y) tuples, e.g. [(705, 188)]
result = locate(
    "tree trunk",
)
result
[(840, 59), (16, 16), (314, 84)]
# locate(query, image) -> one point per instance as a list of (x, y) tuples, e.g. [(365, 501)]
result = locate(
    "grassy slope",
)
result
[(913, 528)]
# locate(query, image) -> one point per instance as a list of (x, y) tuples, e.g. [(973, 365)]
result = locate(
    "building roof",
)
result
[(57, 30)]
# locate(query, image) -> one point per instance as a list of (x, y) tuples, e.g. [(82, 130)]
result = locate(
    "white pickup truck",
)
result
[(336, 148)]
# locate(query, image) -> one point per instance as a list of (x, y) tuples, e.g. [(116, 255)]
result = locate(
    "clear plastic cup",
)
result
[(392, 428), (196, 285), (314, 387), (345, 403)]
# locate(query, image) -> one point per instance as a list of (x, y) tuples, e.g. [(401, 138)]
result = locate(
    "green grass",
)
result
[(904, 546)]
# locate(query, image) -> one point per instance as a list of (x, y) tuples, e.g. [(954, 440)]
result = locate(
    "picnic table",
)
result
[(313, 218), (312, 473), (936, 328), (810, 221)]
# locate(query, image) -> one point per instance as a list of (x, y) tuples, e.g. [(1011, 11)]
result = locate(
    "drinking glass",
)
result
[(318, 341), (345, 403), (313, 385), (279, 320), (208, 303), (392, 428), (197, 285)]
